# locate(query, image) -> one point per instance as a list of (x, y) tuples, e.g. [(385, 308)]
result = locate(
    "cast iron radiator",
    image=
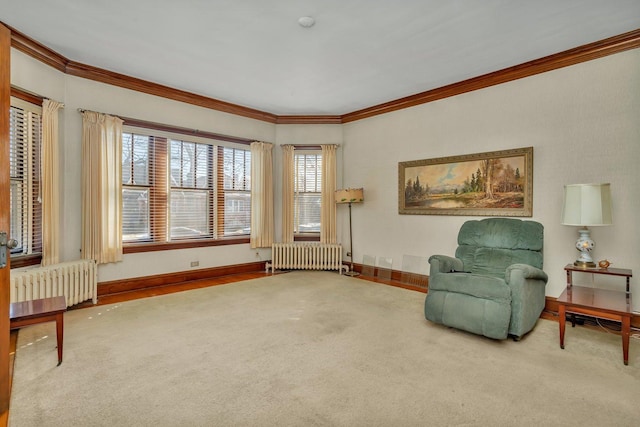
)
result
[(77, 281), (306, 256)]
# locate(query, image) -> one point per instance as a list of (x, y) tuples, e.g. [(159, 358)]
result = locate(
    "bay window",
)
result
[(178, 189)]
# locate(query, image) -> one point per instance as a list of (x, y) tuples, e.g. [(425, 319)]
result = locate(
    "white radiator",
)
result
[(77, 281), (306, 256)]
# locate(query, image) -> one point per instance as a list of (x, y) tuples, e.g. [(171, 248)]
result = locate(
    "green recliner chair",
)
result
[(495, 285)]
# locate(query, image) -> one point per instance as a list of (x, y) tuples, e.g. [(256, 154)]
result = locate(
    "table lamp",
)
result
[(586, 205)]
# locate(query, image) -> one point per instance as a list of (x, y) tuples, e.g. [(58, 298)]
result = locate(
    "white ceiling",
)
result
[(360, 53)]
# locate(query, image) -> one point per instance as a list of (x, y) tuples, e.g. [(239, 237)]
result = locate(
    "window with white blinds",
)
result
[(307, 193), (25, 136), (137, 178), (236, 191), (191, 195), (176, 190)]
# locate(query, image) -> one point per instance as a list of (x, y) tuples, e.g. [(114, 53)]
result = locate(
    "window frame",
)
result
[(218, 142), (180, 186), (33, 104), (239, 187), (312, 151)]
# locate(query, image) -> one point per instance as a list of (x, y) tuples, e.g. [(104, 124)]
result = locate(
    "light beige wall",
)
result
[(75, 92), (36, 77), (583, 122), (309, 134)]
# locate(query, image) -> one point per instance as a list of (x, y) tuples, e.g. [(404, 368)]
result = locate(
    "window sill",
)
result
[(25, 260), (306, 238), (133, 248)]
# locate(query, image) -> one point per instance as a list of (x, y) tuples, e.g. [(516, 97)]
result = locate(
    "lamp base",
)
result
[(352, 273), (585, 245), (584, 264)]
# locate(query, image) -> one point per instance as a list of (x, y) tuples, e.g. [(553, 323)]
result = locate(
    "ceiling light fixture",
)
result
[(306, 22)]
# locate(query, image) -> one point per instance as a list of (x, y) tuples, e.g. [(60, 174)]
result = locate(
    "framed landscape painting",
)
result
[(497, 183)]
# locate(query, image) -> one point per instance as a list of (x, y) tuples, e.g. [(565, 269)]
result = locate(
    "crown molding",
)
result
[(37, 51), (588, 52), (306, 120), (47, 56), (116, 79)]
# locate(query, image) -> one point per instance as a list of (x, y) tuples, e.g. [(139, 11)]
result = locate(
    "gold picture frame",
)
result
[(458, 185)]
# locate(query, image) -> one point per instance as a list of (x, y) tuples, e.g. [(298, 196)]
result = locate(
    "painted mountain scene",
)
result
[(488, 183)]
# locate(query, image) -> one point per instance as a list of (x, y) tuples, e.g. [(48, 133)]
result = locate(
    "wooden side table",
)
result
[(621, 272), (599, 303), (27, 313)]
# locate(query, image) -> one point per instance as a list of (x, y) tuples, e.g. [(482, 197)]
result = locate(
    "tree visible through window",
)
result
[(237, 191), (136, 187)]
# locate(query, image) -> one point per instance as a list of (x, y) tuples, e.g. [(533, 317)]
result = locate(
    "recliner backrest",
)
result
[(489, 246)]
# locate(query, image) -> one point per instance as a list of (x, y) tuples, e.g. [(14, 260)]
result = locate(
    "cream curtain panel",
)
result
[(261, 195), (288, 180), (328, 232), (101, 192), (50, 178)]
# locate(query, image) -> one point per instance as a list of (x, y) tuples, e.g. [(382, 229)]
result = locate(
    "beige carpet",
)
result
[(311, 349)]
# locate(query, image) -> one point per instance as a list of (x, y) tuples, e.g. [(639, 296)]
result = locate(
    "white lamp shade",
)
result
[(587, 204), (350, 195)]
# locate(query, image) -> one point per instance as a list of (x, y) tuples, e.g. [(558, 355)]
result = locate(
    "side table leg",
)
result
[(626, 328), (60, 334), (562, 320)]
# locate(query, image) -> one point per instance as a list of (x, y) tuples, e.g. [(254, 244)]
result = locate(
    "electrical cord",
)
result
[(611, 330), (607, 329)]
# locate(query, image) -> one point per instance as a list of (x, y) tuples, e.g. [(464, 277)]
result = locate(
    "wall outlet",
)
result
[(195, 263)]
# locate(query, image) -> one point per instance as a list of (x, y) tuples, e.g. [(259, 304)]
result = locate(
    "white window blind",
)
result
[(25, 136), (191, 209), (236, 191), (307, 193), (175, 189), (137, 177)]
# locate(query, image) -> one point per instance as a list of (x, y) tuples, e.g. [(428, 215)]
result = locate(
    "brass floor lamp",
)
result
[(350, 195)]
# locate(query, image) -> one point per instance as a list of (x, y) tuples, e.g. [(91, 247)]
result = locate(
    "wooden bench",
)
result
[(43, 310)]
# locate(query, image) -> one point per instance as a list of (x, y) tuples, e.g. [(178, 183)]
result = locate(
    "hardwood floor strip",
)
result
[(147, 292), (138, 283)]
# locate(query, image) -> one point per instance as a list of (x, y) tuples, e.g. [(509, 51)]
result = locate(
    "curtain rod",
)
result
[(128, 121), (82, 110), (308, 146)]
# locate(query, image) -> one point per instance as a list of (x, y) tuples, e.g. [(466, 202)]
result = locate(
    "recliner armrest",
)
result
[(527, 286), (527, 271), (444, 264)]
